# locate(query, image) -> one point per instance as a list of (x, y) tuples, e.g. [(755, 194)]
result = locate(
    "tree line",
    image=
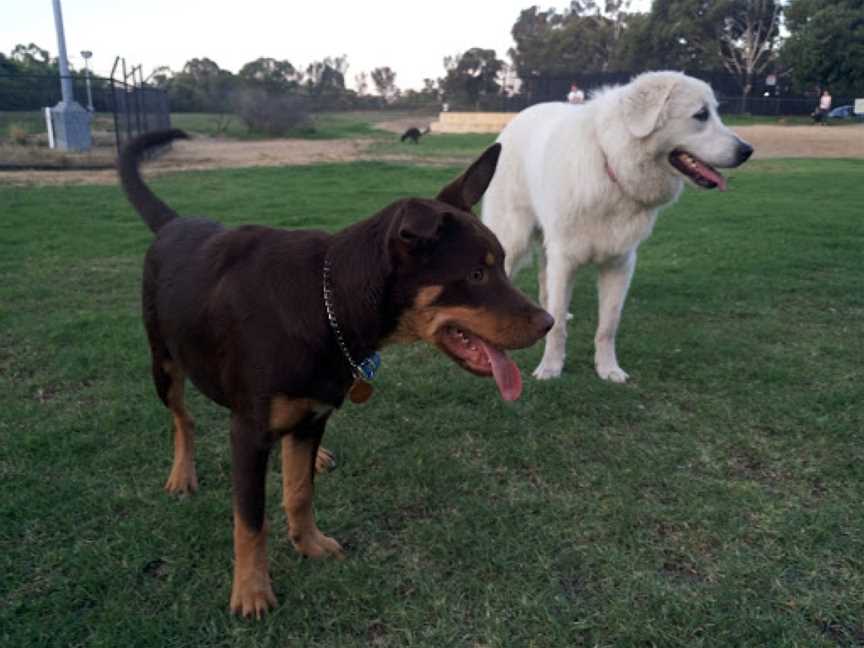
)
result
[(805, 43), (808, 43)]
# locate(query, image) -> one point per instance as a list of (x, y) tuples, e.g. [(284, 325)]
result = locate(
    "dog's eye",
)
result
[(702, 115), (477, 276)]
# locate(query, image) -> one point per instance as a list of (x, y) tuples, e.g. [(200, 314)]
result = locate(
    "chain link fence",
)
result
[(133, 106)]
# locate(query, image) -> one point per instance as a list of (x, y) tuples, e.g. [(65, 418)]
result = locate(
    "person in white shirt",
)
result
[(821, 113), (575, 96)]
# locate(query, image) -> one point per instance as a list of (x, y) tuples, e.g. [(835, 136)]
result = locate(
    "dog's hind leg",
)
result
[(516, 232), (299, 452), (613, 282), (514, 226), (170, 384), (559, 288), (251, 592), (169, 379)]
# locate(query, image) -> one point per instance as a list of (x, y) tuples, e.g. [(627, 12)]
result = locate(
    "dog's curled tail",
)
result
[(154, 212)]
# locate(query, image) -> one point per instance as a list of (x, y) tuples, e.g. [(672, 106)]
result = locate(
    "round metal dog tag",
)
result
[(360, 392)]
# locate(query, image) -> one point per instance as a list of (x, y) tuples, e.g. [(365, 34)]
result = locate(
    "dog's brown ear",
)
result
[(645, 101), (417, 227), (467, 190)]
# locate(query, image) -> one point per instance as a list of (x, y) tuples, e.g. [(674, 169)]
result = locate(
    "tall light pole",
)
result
[(71, 122), (87, 54)]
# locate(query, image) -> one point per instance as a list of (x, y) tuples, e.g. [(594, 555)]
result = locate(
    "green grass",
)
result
[(758, 120), (324, 126), (436, 145), (714, 501), (33, 122), (780, 120)]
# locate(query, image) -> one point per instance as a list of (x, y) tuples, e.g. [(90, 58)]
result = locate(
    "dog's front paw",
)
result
[(325, 461), (252, 597), (548, 370), (315, 544), (613, 374), (182, 481)]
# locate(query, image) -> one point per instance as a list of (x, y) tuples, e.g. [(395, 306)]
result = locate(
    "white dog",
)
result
[(588, 182)]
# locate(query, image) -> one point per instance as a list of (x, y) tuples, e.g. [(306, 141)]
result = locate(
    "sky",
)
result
[(410, 36)]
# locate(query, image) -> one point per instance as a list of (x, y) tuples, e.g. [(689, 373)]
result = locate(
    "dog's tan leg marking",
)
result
[(286, 412), (297, 491), (251, 592), (183, 478)]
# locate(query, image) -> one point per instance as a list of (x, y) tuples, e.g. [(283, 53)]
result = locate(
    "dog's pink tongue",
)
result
[(712, 174), (505, 372)]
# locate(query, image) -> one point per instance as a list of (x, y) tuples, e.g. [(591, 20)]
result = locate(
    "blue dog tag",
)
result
[(369, 367)]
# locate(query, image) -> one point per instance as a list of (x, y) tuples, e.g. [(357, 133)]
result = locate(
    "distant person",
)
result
[(575, 96), (824, 107)]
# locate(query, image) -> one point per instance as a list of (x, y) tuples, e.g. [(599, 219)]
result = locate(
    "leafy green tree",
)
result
[(271, 74), (826, 45), (327, 77), (583, 38), (430, 88), (7, 65), (740, 37), (21, 87), (32, 59), (160, 77), (201, 86), (472, 75)]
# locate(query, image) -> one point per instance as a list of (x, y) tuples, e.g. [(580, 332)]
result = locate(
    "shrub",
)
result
[(271, 114), (18, 134)]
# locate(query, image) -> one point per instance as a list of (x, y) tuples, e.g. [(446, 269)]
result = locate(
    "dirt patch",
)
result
[(804, 141), (211, 153)]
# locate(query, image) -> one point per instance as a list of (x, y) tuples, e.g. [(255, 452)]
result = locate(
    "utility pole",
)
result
[(71, 122), (87, 54)]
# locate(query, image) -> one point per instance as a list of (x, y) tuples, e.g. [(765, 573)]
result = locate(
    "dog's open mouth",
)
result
[(481, 358), (701, 173)]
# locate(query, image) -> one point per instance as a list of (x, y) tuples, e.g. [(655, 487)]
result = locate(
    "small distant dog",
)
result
[(589, 180), (413, 134), (279, 326)]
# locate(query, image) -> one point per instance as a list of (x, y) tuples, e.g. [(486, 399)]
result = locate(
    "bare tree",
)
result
[(385, 82), (749, 39), (361, 82)]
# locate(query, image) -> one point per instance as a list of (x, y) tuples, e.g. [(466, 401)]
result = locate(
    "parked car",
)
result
[(844, 112)]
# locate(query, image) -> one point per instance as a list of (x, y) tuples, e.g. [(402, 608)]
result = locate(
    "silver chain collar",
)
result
[(367, 368)]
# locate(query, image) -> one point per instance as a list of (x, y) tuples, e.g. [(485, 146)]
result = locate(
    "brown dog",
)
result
[(279, 326)]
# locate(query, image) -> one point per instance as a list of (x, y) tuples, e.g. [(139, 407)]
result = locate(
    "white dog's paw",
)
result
[(569, 316), (547, 370), (613, 374)]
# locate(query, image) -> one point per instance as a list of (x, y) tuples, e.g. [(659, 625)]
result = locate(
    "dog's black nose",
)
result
[(744, 152), (544, 321)]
